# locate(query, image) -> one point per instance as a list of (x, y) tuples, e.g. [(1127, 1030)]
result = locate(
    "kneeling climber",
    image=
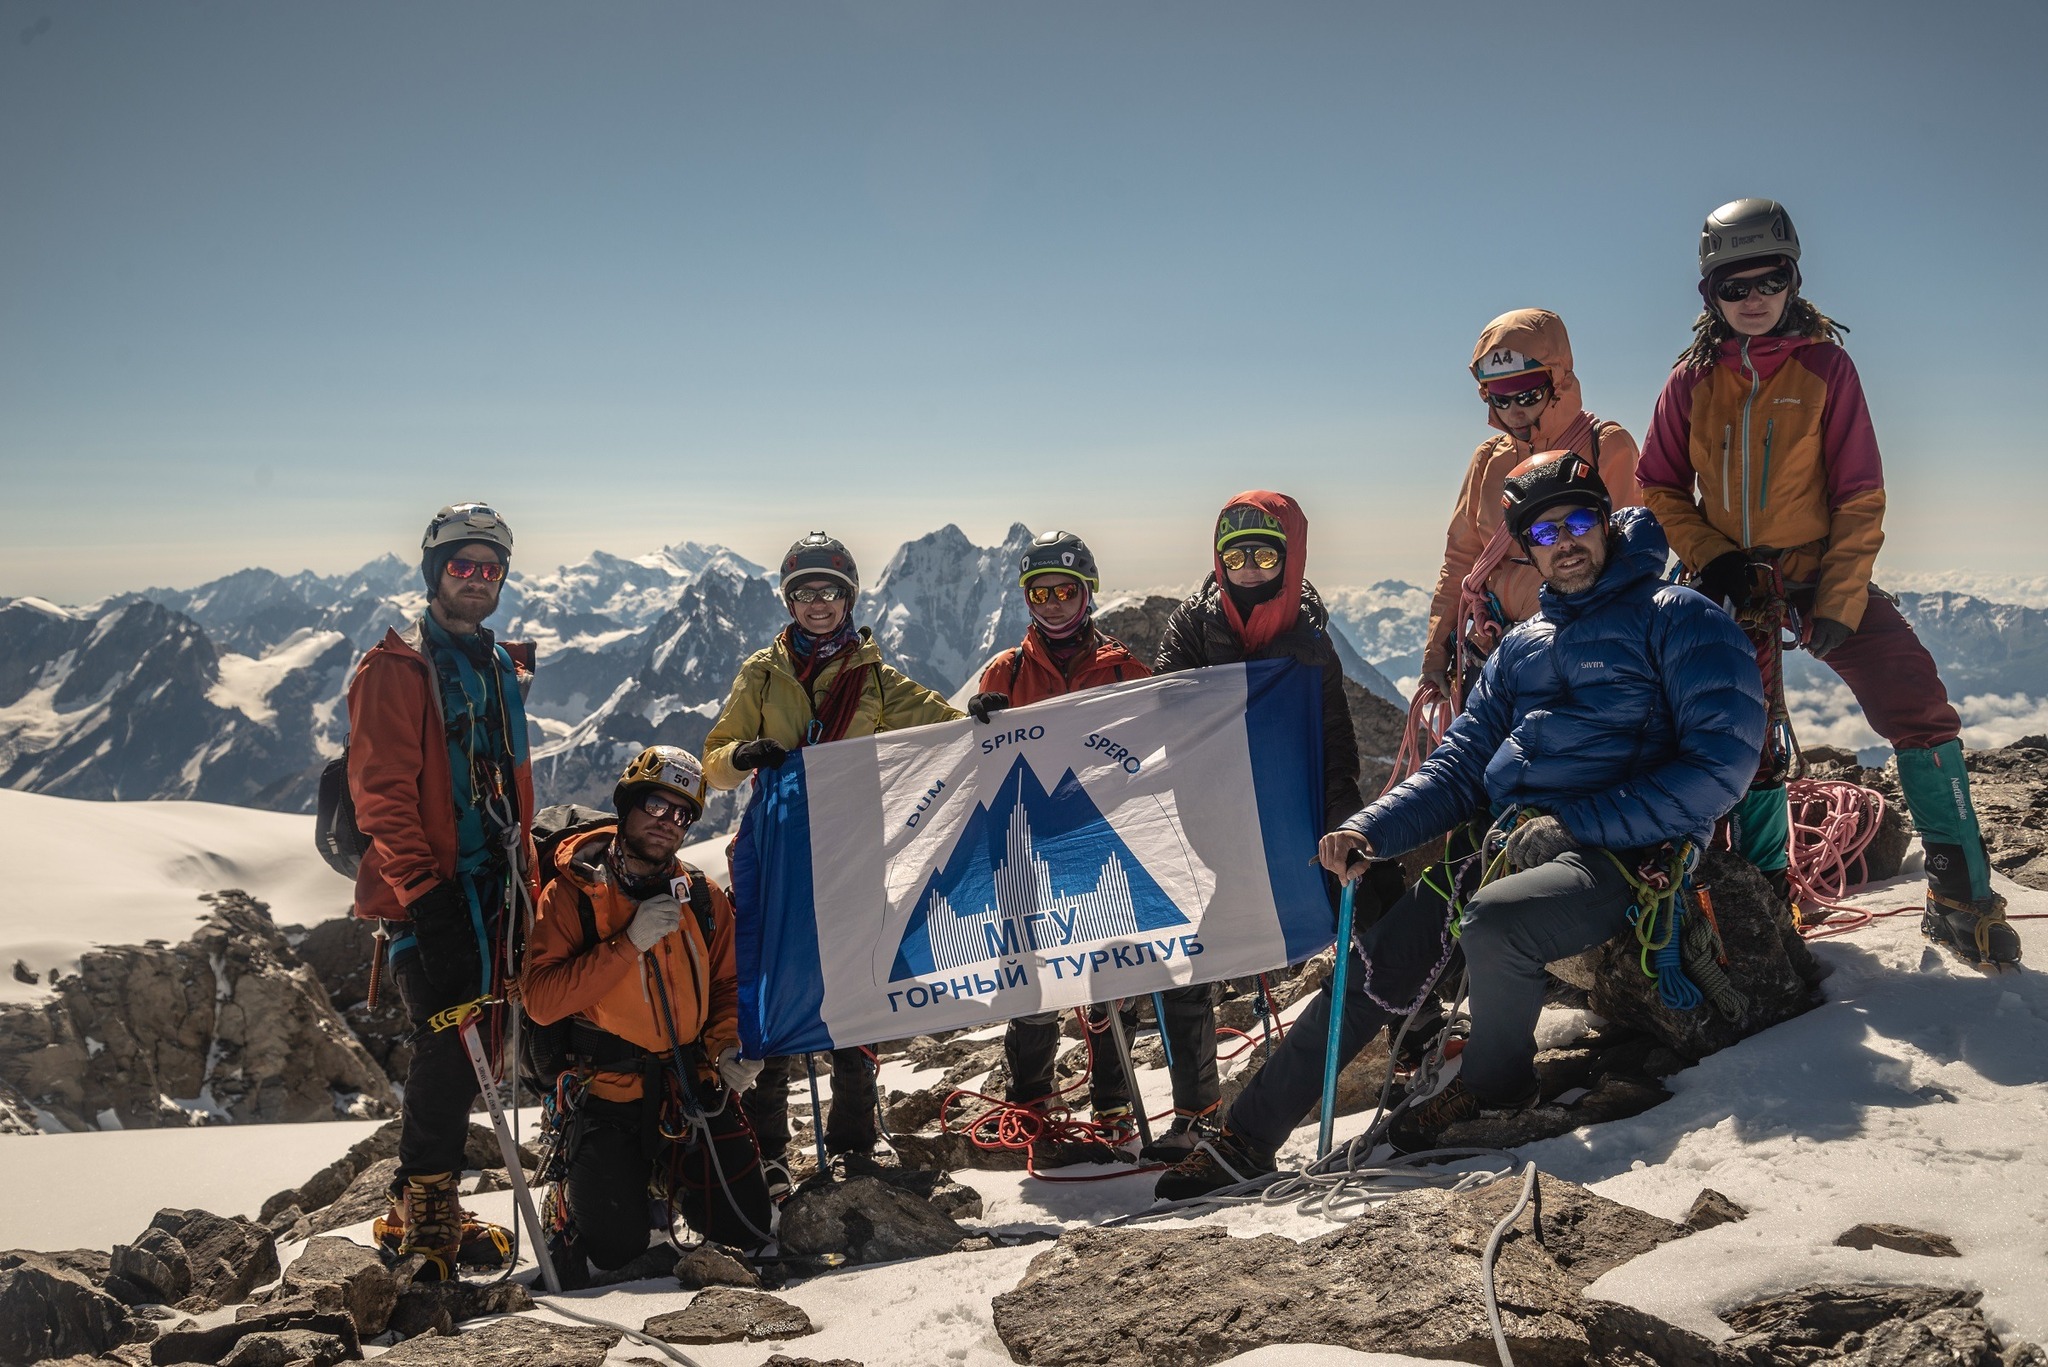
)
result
[(1603, 735), (633, 950)]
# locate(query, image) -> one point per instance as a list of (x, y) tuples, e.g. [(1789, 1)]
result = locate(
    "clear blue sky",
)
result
[(278, 279)]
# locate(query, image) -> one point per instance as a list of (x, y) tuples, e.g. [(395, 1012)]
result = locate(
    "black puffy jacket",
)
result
[(1198, 634)]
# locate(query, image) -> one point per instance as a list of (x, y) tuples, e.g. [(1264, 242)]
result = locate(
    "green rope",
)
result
[(1702, 950)]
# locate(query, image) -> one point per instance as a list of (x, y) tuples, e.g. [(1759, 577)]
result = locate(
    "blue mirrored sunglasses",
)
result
[(1578, 522)]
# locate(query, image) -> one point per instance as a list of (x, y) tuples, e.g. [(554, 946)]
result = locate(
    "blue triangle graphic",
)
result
[(1030, 871)]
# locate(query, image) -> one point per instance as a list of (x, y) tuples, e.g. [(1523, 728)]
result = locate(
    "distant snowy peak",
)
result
[(943, 605), (2023, 590)]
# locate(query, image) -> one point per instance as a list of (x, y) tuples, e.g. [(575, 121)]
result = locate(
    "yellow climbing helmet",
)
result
[(667, 767)]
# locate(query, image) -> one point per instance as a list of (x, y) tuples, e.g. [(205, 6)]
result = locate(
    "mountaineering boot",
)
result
[(431, 1215), (1786, 916), (775, 1172), (479, 1243), (1963, 914), (1117, 1125), (1421, 1127), (1225, 1160), (1180, 1138)]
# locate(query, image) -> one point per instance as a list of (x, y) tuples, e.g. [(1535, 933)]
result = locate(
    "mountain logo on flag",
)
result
[(1030, 871)]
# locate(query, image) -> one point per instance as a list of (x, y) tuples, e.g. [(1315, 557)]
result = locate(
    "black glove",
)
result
[(757, 753), (1726, 579), (1535, 843), (1825, 634), (982, 706), (446, 940)]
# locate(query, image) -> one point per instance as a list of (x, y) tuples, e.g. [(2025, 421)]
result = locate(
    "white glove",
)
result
[(738, 1073), (657, 917)]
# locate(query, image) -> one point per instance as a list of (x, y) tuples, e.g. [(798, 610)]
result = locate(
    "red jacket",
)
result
[(398, 775), (1028, 674)]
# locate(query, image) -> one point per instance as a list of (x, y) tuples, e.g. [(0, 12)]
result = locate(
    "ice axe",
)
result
[(1338, 973)]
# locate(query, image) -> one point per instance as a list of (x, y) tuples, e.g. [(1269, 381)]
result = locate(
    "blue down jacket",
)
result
[(1632, 712)]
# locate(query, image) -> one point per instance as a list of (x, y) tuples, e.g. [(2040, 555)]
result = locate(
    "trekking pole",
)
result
[(1338, 973), (463, 1019), (1159, 1016), (1123, 1054)]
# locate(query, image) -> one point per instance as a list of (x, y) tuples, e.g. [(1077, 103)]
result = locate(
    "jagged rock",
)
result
[(1401, 1277), (437, 1307), (193, 1254), (211, 1345), (938, 1189), (868, 1220), (89, 1263), (1900, 1238), (705, 1266), (2010, 790), (1870, 1326), (49, 1310), (288, 1348), (509, 1343), (367, 1197), (1754, 928), (17, 1112), (340, 1274), (657, 1261), (1711, 1208), (726, 1314), (229, 1019)]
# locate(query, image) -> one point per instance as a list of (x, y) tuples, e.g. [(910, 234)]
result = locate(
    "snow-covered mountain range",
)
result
[(233, 691)]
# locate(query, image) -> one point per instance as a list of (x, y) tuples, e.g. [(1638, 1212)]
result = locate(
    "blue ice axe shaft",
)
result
[(1339, 971), (1159, 1016)]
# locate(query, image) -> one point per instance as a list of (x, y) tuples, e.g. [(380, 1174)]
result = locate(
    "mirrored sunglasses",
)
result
[(1579, 521), (1735, 291), (1265, 557), (821, 593), (490, 571), (1528, 398), (662, 807), (1065, 591)]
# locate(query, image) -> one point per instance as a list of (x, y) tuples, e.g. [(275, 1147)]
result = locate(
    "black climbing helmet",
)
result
[(820, 556), (1059, 553), (1550, 479)]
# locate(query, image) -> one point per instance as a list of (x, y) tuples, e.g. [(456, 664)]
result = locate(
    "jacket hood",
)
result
[(1277, 613), (1637, 551), (1539, 335)]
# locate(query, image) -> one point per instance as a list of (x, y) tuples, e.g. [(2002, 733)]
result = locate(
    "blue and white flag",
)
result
[(1107, 844)]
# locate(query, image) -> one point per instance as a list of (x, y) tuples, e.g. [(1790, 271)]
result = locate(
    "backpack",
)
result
[(335, 834), (548, 1051)]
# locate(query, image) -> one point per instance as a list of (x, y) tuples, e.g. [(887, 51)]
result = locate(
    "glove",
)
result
[(1825, 634), (982, 706), (755, 754), (1440, 679), (1726, 579), (1535, 843), (447, 944), (737, 1073), (656, 917)]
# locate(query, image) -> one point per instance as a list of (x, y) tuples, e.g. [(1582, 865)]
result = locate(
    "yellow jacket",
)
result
[(768, 700)]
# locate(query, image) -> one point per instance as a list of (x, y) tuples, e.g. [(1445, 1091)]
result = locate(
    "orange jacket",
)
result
[(610, 984), (398, 775), (1772, 448), (1028, 674), (1540, 335)]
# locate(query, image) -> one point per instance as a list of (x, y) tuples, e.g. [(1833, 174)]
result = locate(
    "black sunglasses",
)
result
[(1528, 398), (1735, 291)]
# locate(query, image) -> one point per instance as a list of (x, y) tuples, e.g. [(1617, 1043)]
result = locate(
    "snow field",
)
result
[(84, 874)]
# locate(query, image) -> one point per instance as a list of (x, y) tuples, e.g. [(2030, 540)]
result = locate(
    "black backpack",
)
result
[(335, 834), (547, 1051)]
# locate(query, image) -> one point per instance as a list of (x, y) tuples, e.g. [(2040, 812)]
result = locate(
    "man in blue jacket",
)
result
[(1625, 716)]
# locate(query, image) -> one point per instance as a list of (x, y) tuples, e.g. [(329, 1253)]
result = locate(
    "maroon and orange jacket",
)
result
[(1028, 673), (1772, 448), (610, 983), (1540, 335), (398, 775)]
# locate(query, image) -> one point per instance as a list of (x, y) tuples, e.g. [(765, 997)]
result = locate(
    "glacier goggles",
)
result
[(1237, 557), (673, 810), (490, 571), (1527, 398), (819, 593), (1735, 291), (1578, 522), (1065, 590)]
